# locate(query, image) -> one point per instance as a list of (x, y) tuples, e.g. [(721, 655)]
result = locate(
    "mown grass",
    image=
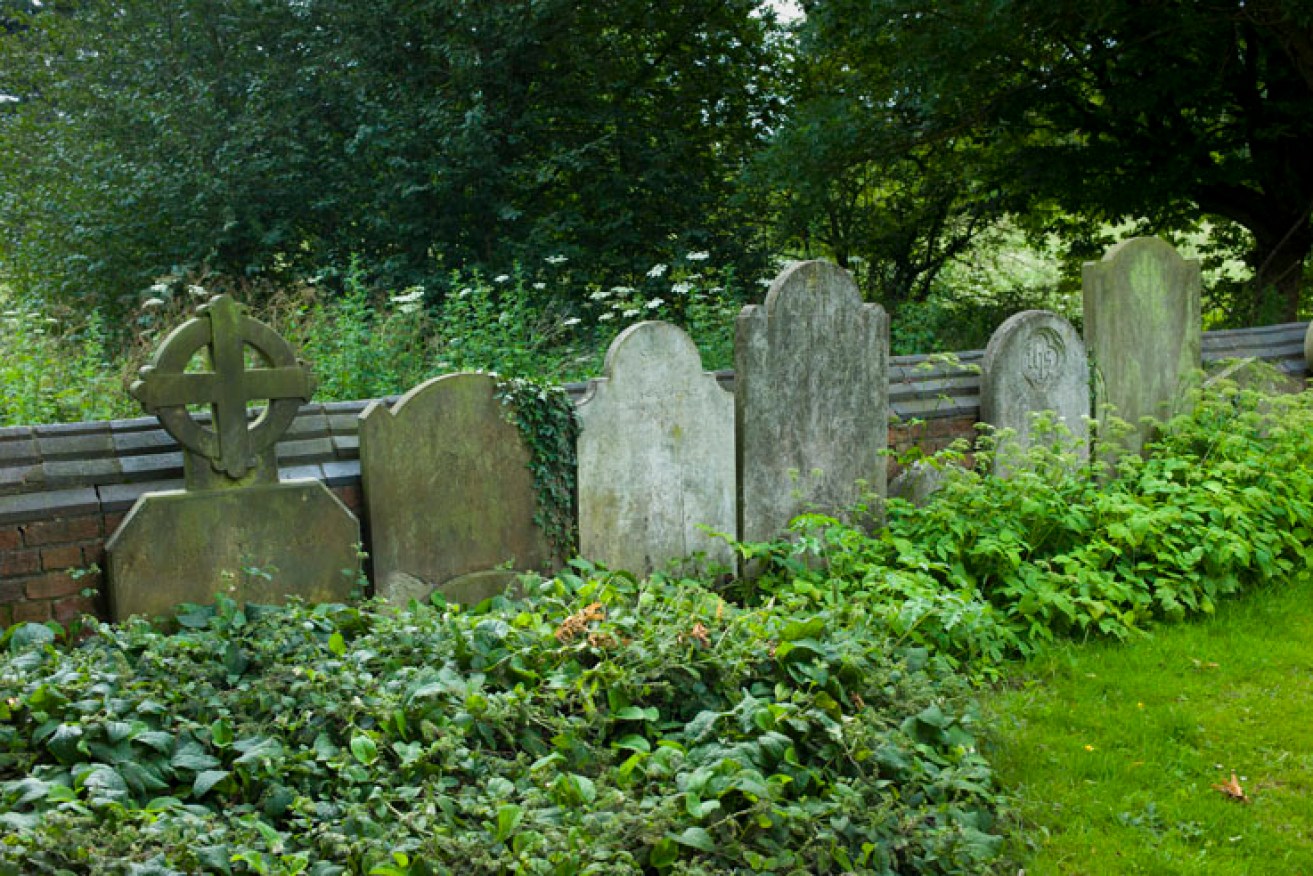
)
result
[(1112, 751)]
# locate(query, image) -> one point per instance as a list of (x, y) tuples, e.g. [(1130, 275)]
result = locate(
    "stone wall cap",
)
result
[(26, 507)]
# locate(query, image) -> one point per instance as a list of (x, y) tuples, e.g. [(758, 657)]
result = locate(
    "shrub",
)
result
[(992, 568), (599, 726)]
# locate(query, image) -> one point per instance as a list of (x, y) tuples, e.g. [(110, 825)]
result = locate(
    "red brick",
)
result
[(67, 556), (15, 563), (11, 591), (10, 538), (55, 584), (67, 609), (62, 531), (30, 611), (113, 521), (350, 497)]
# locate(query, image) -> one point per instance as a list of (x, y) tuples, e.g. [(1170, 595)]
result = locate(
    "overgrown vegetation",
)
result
[(992, 569), (369, 343), (599, 726)]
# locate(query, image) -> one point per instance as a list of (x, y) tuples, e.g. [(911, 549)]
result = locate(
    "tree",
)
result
[(274, 139), (851, 180), (1160, 110)]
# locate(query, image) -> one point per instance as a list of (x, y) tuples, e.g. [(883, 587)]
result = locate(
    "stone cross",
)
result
[(228, 453)]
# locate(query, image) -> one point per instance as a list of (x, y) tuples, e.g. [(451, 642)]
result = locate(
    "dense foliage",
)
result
[(1107, 109), (268, 140), (598, 726), (993, 568)]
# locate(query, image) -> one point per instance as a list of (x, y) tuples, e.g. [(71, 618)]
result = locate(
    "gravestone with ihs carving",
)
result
[(1035, 364), (235, 527)]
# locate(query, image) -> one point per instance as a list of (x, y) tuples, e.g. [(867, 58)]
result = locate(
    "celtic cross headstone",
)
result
[(235, 526)]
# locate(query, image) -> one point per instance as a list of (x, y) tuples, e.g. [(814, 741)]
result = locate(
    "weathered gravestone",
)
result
[(1143, 332), (1035, 362), (656, 454), (812, 399), (449, 493), (234, 527)]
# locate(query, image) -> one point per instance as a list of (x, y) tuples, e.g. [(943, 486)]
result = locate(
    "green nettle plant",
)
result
[(601, 725), (51, 373), (994, 568)]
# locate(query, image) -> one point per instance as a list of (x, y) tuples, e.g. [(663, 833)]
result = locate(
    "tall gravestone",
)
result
[(656, 454), (1143, 332), (1035, 362), (812, 399), (449, 493), (235, 527)]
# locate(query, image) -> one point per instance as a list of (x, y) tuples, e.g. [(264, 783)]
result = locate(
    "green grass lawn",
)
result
[(1112, 751)]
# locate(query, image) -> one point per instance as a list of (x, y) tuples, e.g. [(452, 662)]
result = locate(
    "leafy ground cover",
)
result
[(599, 726), (1114, 754)]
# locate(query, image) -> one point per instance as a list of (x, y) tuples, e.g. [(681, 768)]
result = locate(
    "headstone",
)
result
[(656, 455), (449, 493), (234, 527), (1035, 362), (812, 399), (1143, 332)]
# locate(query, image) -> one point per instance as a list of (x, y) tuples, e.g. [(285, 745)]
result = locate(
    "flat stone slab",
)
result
[(812, 399), (448, 492), (1035, 362), (185, 546), (656, 455)]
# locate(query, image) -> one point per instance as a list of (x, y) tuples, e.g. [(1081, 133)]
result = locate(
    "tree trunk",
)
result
[(1279, 269)]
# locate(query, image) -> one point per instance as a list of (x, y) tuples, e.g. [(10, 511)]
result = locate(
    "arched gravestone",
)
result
[(656, 454), (449, 493), (1035, 362), (234, 515), (812, 399), (1142, 330)]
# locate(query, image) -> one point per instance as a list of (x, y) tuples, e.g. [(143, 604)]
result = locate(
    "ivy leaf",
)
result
[(696, 838), (364, 749), (337, 644)]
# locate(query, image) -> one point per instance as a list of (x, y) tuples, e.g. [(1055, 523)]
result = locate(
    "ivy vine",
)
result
[(546, 419)]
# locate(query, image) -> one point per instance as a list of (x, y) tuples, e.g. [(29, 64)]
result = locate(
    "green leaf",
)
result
[(206, 780), (633, 742), (337, 644), (697, 838), (508, 819), (364, 749)]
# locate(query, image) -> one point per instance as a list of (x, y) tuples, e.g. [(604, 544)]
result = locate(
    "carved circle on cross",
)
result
[(166, 388)]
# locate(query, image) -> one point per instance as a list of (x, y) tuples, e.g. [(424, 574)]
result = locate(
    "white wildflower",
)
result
[(540, 286), (410, 296), (555, 259), (196, 291), (600, 294), (606, 317), (630, 313), (501, 278), (152, 303), (160, 288), (699, 256), (574, 320), (657, 271), (655, 303), (681, 288)]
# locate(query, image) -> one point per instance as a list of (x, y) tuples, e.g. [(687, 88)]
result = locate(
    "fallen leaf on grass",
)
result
[(1203, 664), (1232, 789)]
